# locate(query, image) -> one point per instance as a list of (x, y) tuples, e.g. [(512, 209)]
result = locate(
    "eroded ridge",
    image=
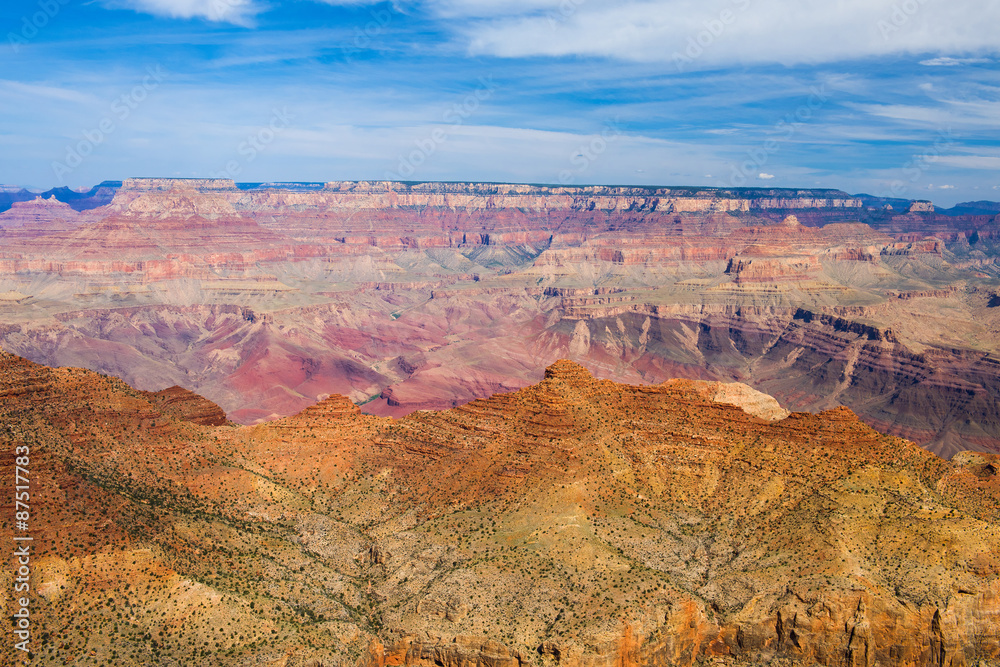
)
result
[(577, 521)]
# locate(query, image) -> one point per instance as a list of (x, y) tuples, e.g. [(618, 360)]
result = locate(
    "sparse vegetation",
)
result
[(574, 509)]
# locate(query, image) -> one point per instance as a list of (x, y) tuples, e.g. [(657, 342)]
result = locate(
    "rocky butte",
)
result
[(575, 522), (413, 296)]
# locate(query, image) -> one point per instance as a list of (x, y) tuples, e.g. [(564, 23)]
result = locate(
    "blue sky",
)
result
[(890, 97)]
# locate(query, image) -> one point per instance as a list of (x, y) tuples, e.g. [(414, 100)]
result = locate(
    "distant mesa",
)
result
[(175, 198), (177, 184), (509, 195)]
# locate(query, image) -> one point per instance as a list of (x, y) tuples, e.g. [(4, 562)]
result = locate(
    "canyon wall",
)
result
[(408, 296)]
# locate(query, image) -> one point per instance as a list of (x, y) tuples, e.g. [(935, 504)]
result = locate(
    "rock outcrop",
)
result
[(188, 406), (742, 396)]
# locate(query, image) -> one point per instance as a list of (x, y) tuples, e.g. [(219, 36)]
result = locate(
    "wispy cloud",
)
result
[(238, 12), (947, 61), (732, 31), (721, 31), (971, 161), (361, 97), (16, 90), (954, 113)]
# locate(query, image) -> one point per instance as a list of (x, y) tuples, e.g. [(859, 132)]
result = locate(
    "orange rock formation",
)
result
[(575, 522)]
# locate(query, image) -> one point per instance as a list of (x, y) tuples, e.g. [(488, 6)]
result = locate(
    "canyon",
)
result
[(266, 298), (576, 522)]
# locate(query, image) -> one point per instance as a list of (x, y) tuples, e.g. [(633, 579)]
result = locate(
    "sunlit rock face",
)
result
[(576, 521)]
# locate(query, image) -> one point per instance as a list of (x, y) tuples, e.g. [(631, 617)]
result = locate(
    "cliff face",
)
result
[(479, 196), (575, 522), (409, 296), (810, 361), (543, 200)]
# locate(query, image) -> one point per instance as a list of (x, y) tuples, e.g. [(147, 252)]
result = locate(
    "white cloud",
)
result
[(239, 12), (953, 62), (38, 93), (494, 8), (355, 3), (945, 113), (971, 161), (691, 33), (765, 177), (946, 187), (697, 34)]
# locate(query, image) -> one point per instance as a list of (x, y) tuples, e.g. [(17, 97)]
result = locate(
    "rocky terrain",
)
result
[(412, 296), (574, 522)]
